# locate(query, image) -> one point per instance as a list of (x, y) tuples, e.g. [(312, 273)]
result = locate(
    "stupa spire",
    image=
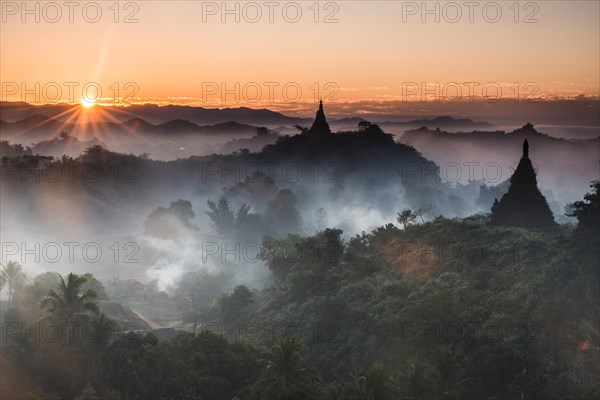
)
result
[(320, 125), (523, 205)]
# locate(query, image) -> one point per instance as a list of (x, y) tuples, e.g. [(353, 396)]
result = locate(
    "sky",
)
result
[(283, 55)]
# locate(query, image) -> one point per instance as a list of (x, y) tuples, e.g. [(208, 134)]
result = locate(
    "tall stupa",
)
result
[(523, 205)]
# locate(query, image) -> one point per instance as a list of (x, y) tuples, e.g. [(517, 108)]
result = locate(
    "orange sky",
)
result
[(376, 51)]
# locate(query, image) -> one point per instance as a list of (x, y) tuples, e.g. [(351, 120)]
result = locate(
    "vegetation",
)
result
[(285, 376), (12, 276), (168, 223), (440, 309)]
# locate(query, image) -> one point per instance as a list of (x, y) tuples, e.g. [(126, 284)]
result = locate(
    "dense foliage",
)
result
[(443, 309)]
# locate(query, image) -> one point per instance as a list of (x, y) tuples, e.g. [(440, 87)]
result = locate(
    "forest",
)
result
[(336, 266), (311, 200), (489, 313)]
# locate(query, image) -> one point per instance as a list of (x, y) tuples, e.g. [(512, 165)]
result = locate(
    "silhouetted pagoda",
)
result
[(523, 205), (320, 126)]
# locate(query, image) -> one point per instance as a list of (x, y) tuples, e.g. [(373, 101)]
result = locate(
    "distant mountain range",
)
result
[(253, 144), (499, 141), (64, 145), (39, 128), (444, 122), (157, 115), (568, 164), (16, 111)]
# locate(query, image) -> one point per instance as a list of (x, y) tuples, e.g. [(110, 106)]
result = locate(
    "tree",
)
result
[(449, 373), (95, 285), (581, 268), (87, 393), (301, 129), (406, 218), (330, 247), (242, 224), (41, 284), (12, 275), (182, 209), (285, 376), (100, 330), (138, 366), (282, 214), (414, 382), (231, 306), (255, 190), (363, 126), (167, 223), (191, 366), (69, 304), (409, 216), (372, 130), (104, 328), (420, 212), (375, 382), (222, 216), (587, 211), (94, 153)]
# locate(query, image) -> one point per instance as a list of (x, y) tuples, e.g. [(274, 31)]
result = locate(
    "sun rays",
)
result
[(87, 103), (87, 121)]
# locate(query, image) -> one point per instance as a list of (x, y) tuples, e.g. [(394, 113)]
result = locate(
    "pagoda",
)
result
[(523, 205), (320, 126)]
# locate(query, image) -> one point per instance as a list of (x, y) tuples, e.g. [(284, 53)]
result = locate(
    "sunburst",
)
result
[(87, 102)]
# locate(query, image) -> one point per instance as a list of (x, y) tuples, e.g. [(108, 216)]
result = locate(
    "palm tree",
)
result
[(418, 374), (222, 216), (414, 383), (69, 305), (450, 375), (375, 382), (226, 220), (87, 393), (285, 377), (12, 274), (104, 328)]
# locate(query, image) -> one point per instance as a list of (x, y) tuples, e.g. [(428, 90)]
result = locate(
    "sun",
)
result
[(87, 103)]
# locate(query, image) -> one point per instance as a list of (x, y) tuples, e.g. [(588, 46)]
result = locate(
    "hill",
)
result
[(564, 165), (15, 111)]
